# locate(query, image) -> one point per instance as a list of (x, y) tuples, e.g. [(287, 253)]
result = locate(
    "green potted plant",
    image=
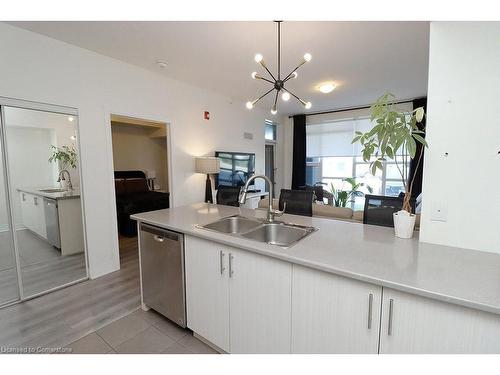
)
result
[(394, 136), (341, 197), (66, 157)]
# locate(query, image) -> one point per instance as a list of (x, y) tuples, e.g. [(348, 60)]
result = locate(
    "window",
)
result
[(331, 157), (270, 133)]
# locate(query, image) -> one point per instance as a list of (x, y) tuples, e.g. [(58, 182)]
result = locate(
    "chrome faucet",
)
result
[(271, 213), (61, 177)]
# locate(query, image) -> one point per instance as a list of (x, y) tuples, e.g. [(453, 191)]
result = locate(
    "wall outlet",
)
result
[(439, 212)]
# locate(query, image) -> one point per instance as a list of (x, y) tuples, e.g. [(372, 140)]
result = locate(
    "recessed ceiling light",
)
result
[(161, 63), (327, 87), (70, 118)]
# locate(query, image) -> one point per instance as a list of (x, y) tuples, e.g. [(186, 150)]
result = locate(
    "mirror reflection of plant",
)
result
[(65, 155), (341, 197), (395, 135)]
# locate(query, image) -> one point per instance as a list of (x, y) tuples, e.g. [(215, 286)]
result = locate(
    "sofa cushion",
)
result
[(264, 203), (358, 215), (326, 210), (137, 185)]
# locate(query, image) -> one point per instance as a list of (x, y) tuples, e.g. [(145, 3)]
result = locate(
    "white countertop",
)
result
[(75, 193), (363, 252)]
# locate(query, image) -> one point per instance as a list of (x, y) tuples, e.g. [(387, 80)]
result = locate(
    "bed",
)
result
[(133, 196)]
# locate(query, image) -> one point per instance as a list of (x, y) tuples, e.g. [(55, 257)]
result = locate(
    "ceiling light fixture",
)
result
[(162, 64), (277, 82), (327, 87)]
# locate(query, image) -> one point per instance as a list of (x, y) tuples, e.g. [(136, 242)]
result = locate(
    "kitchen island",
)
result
[(346, 288), (55, 216)]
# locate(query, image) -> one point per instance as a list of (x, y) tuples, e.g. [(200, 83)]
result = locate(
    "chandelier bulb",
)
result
[(254, 75), (285, 96), (307, 105), (274, 110), (258, 58), (307, 57), (249, 105), (294, 75)]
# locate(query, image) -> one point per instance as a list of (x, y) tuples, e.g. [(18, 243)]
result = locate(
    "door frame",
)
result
[(110, 162), (45, 107)]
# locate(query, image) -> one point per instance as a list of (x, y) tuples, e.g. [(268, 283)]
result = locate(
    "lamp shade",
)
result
[(207, 165)]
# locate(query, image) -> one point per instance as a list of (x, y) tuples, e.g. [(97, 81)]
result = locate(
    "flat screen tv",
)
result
[(235, 168)]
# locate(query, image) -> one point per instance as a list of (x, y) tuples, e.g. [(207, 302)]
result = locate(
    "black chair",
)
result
[(316, 189), (298, 202), (379, 209), (228, 195)]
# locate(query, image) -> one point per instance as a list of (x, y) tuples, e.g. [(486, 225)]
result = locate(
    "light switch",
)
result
[(439, 212)]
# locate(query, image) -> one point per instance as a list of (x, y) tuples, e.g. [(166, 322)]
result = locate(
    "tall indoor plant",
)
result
[(394, 136), (66, 158)]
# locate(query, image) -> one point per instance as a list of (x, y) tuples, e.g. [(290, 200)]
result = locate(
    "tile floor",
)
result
[(141, 332)]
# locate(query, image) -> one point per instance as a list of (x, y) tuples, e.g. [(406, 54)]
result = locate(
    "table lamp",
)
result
[(207, 165)]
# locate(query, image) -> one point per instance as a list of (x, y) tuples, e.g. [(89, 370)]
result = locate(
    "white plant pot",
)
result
[(404, 225)]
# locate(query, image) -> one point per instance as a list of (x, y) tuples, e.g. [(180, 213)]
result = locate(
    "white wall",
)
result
[(41, 69), (463, 121), (135, 149)]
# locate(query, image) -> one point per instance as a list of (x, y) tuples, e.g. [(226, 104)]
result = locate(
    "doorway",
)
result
[(271, 165), (141, 171)]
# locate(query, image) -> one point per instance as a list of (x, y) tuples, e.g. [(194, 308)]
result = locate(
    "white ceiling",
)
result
[(365, 59)]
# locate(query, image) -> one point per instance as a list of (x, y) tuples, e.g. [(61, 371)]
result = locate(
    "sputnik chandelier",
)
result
[(278, 82)]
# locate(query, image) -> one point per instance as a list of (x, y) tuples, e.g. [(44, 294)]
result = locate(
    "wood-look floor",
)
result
[(61, 317)]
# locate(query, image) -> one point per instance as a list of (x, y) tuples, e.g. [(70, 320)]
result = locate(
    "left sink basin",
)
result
[(233, 224)]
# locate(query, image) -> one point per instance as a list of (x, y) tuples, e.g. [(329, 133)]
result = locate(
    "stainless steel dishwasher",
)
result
[(162, 272)]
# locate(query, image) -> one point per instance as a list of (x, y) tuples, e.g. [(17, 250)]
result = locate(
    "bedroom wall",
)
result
[(135, 149), (41, 69)]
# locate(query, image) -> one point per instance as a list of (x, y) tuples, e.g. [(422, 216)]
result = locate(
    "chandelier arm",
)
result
[(260, 97), (295, 96), (265, 67), (294, 70), (265, 79), (276, 98)]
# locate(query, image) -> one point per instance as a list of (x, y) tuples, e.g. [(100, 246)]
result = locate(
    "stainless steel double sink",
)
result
[(276, 233)]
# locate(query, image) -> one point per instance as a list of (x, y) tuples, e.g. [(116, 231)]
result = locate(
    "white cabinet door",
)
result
[(207, 290), (27, 210), (260, 303), (40, 227), (421, 325), (333, 314)]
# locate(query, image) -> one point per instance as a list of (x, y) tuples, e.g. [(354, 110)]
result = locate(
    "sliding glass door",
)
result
[(43, 225)]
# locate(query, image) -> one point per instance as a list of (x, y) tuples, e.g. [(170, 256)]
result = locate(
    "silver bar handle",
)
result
[(158, 238), (35, 201), (231, 272), (24, 197), (221, 260), (370, 310), (391, 308)]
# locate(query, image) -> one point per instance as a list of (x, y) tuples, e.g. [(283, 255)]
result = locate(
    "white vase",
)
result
[(404, 224)]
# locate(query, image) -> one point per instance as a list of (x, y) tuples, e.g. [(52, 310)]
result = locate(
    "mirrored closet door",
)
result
[(9, 287), (42, 160)]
